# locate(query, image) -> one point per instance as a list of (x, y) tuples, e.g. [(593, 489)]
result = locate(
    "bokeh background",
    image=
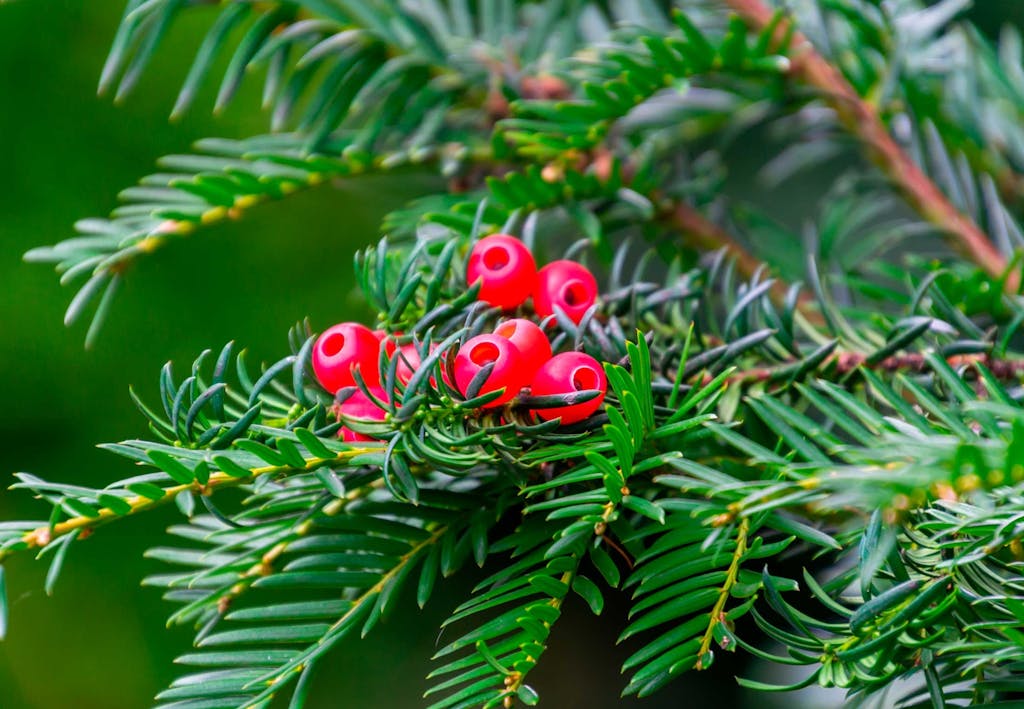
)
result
[(100, 641)]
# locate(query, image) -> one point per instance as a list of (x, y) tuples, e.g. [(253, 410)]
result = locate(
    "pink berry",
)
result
[(408, 362), (505, 269), (567, 373), (443, 362), (509, 373), (342, 348), (386, 341), (529, 339), (360, 406), (566, 284)]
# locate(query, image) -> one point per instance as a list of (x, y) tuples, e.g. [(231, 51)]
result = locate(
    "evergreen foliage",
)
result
[(812, 448)]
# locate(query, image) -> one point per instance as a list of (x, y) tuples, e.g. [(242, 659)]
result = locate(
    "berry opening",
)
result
[(496, 258), (333, 344), (585, 378), (506, 330), (484, 353), (575, 293)]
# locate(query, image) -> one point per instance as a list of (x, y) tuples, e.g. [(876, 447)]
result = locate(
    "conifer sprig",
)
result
[(862, 119), (810, 446)]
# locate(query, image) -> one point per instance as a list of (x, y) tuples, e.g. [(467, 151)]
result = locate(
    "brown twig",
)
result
[(626, 556), (697, 229), (846, 362), (861, 120), (704, 233)]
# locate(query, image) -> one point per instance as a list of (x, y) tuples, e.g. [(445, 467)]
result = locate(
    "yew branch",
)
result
[(45, 534), (843, 363), (861, 120)]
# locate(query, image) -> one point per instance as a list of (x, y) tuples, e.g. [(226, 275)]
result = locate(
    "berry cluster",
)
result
[(515, 356), (508, 275)]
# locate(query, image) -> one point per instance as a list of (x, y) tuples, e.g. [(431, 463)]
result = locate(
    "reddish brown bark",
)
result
[(862, 121)]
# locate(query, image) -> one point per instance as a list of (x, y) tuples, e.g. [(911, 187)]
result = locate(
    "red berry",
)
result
[(408, 362), (505, 269), (529, 339), (566, 284), (509, 373), (443, 362), (567, 373), (386, 341), (360, 406), (342, 348)]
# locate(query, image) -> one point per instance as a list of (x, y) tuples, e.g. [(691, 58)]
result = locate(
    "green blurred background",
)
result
[(100, 642)]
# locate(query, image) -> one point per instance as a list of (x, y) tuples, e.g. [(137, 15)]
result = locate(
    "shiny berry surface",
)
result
[(505, 269), (360, 406), (529, 339), (567, 373), (509, 373), (342, 348), (566, 284)]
